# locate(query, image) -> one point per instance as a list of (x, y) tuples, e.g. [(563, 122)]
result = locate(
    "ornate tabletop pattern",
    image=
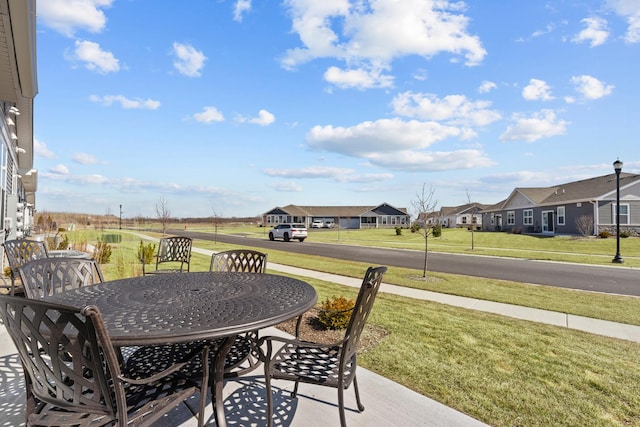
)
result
[(189, 306)]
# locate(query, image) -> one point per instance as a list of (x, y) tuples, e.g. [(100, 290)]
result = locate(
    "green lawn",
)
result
[(502, 371)]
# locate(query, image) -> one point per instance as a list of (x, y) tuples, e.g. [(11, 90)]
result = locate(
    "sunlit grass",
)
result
[(502, 371)]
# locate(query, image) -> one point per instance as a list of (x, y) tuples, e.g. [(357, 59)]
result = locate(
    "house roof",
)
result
[(597, 188), (338, 211), (459, 210)]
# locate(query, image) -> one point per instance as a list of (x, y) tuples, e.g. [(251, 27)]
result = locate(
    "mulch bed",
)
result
[(311, 330)]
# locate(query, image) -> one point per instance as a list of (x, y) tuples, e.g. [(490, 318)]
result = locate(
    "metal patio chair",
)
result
[(174, 255), (331, 365), (239, 260), (46, 277), (21, 251), (245, 348), (72, 372)]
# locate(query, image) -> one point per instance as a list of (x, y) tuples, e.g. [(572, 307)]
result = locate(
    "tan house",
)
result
[(18, 87), (353, 217)]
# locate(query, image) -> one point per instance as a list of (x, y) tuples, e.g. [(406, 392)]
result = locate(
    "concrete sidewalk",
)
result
[(585, 324)]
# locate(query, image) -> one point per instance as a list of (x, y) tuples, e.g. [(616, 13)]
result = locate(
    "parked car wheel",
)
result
[(301, 239), (286, 237), (271, 236)]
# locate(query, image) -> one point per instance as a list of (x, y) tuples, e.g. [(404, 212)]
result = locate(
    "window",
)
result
[(464, 219), (624, 214), (560, 215), (493, 219), (527, 217), (511, 218)]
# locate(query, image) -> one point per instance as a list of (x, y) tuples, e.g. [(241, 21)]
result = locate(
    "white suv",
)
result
[(288, 232), (317, 223)]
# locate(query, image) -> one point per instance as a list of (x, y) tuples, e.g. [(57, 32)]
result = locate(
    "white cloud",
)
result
[(286, 187), (596, 32), (590, 87), (359, 78), (382, 136), (265, 118), (372, 37), (241, 7), (94, 58), (411, 161), (84, 159), (343, 175), (309, 172), (40, 148), (537, 90), (68, 16), (452, 109), (126, 103), (543, 124), (397, 144), (189, 61), (208, 115), (630, 10), (59, 169), (487, 86)]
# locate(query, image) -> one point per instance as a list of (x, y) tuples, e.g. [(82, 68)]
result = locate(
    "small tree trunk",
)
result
[(426, 255)]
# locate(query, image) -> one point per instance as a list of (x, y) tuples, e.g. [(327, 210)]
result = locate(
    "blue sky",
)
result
[(236, 107)]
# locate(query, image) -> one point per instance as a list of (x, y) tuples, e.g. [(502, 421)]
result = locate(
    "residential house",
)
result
[(18, 87), (584, 207), (353, 217), (462, 216)]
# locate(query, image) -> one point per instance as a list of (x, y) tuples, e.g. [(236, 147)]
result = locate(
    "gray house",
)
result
[(582, 207), (353, 217)]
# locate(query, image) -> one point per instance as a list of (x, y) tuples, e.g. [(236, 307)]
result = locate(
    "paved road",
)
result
[(615, 279)]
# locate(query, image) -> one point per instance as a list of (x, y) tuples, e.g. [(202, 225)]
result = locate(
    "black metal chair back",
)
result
[(46, 277), (21, 251), (175, 253), (239, 260), (72, 372), (331, 364)]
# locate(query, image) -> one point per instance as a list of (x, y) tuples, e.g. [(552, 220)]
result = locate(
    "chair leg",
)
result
[(294, 393), (267, 383), (343, 419), (355, 387)]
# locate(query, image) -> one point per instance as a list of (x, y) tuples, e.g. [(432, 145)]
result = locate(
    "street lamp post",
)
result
[(617, 166)]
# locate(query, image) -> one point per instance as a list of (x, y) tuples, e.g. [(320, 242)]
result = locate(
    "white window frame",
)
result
[(561, 215), (527, 217), (624, 217), (511, 217)]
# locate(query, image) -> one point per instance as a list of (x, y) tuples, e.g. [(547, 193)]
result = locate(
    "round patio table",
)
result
[(68, 253), (184, 307)]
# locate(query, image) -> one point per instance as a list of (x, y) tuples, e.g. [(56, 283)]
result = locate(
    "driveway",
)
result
[(614, 280)]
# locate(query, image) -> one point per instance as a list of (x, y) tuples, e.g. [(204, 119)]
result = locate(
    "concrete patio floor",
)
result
[(386, 403)]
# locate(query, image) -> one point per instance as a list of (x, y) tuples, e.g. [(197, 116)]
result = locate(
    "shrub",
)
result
[(335, 312), (604, 234), (146, 252), (398, 231), (625, 233), (437, 230), (102, 252), (415, 227)]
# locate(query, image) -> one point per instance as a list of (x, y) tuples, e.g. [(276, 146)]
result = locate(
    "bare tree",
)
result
[(474, 212), (216, 221), (584, 223), (424, 207), (163, 213)]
